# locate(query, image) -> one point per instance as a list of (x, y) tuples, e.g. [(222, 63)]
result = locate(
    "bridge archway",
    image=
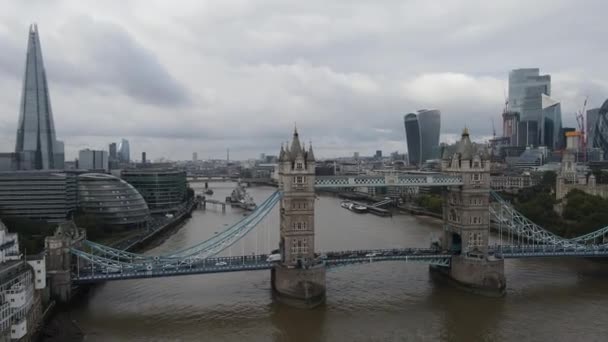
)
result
[(456, 246)]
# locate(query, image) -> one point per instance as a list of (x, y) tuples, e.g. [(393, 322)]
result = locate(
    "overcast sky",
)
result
[(178, 77)]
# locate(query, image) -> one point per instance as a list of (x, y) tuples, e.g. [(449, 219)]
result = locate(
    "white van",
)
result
[(273, 258)]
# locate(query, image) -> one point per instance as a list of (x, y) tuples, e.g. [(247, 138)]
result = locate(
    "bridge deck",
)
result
[(388, 180), (177, 266)]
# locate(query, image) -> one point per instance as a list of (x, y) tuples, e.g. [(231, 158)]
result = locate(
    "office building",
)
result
[(525, 89), (38, 195), (378, 154), (111, 201), (163, 189), (92, 160), (22, 284), (551, 123), (422, 135), (562, 136), (143, 157), (600, 135), (539, 114), (591, 118), (510, 125), (36, 143), (124, 151), (113, 152), (195, 156)]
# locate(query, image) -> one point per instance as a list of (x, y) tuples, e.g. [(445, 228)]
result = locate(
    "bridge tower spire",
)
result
[(299, 279), (466, 220)]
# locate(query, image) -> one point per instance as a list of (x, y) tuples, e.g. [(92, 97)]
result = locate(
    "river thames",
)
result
[(547, 299)]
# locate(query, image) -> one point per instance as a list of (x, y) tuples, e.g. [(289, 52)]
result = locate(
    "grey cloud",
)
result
[(204, 77), (109, 56)]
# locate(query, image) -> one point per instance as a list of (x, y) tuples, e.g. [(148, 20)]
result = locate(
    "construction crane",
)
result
[(580, 120)]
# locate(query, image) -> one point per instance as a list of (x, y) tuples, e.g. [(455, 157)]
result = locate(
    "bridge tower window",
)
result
[(299, 166), (475, 240)]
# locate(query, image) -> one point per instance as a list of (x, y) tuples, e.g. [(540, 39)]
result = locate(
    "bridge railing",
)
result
[(204, 249), (520, 228), (388, 180)]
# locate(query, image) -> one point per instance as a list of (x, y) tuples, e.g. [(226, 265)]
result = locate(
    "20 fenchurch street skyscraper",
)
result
[(422, 135), (36, 143)]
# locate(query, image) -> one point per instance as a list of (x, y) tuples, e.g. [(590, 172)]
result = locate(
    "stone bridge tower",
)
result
[(299, 279), (467, 221), (59, 260)]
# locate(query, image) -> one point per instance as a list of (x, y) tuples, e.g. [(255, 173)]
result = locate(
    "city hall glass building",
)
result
[(111, 200)]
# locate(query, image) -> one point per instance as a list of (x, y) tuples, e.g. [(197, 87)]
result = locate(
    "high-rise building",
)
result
[(525, 89), (194, 156), (143, 157), (92, 160), (124, 152), (510, 122), (527, 133), (112, 148), (600, 136), (378, 154), (422, 135), (36, 140), (529, 95), (551, 123), (591, 123)]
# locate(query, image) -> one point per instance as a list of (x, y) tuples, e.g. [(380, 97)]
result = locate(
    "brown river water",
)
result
[(547, 299)]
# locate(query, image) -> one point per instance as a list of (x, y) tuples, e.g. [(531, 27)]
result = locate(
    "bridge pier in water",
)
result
[(299, 278), (466, 222)]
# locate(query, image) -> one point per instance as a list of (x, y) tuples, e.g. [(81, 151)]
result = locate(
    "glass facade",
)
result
[(525, 89), (124, 151), (600, 137), (412, 136), (422, 135), (590, 125), (551, 122), (39, 195), (164, 190), (111, 200), (36, 129), (529, 96), (430, 126)]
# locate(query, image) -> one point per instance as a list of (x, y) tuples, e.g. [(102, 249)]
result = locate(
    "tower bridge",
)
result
[(465, 253)]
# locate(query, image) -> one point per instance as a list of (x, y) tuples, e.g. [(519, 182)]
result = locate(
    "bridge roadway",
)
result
[(540, 251), (180, 266), (403, 179), (435, 179)]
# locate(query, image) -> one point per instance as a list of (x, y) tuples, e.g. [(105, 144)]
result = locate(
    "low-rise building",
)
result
[(164, 190), (39, 195), (21, 284)]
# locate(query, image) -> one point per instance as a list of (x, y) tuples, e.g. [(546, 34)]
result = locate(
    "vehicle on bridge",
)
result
[(273, 258)]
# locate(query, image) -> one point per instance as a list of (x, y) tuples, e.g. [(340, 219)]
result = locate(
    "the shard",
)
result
[(36, 145)]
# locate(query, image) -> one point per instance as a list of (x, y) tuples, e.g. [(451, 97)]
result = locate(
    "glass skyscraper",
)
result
[(36, 141), (600, 134), (124, 151), (422, 135), (529, 95), (551, 122)]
